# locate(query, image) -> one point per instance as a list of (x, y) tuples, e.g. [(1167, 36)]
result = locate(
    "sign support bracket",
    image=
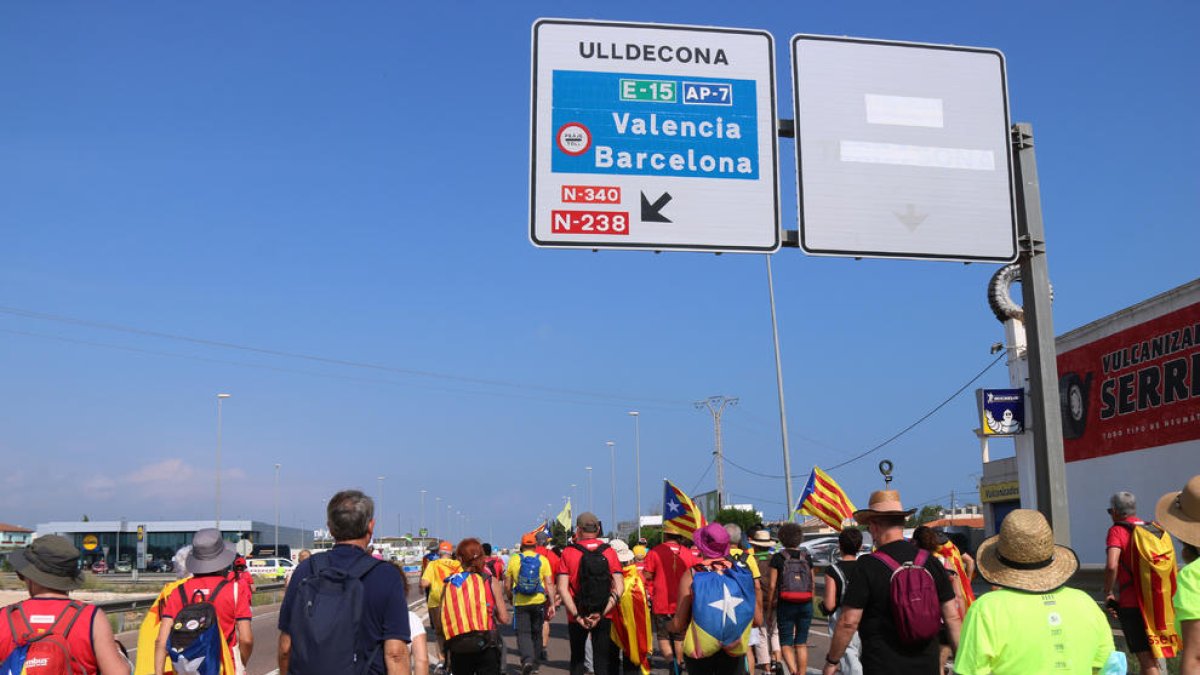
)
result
[(790, 238), (1049, 463)]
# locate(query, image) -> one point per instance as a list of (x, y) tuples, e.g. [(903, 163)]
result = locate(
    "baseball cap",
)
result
[(588, 522), (445, 547), (529, 540)]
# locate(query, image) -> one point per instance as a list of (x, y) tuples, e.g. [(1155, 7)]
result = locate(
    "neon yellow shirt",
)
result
[(1187, 595), (514, 570), (1008, 631), (436, 573)]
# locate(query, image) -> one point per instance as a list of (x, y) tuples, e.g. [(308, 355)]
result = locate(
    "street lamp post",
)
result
[(277, 508), (220, 399), (612, 508), (591, 507), (421, 525), (437, 518), (637, 465), (379, 511), (573, 503)]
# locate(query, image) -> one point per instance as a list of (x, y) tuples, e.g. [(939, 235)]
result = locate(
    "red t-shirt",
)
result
[(1120, 537), (665, 566), (41, 613), (229, 609), (551, 557), (568, 564)]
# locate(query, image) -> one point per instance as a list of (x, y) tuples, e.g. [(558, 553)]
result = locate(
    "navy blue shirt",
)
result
[(385, 615)]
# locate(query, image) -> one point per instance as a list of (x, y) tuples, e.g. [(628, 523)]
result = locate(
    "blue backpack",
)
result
[(529, 577), (325, 616), (195, 645)]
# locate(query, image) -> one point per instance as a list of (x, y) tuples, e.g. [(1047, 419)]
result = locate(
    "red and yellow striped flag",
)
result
[(824, 498), (632, 628), (680, 514)]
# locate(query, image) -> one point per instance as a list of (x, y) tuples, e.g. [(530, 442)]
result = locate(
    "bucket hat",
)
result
[(624, 553), (51, 561), (210, 552), (712, 541), (882, 503), (1179, 512), (762, 539), (1024, 556)]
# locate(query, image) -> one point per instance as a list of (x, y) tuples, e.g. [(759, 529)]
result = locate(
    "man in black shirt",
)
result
[(866, 607)]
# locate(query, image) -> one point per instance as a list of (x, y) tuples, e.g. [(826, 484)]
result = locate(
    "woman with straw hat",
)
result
[(1179, 514), (1033, 623)]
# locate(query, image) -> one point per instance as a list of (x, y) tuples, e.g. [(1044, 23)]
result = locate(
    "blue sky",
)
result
[(351, 183)]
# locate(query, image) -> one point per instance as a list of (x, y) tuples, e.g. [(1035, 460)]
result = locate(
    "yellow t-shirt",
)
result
[(750, 561), (1008, 631), (436, 573), (514, 570)]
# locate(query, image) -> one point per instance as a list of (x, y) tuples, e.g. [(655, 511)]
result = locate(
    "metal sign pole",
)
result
[(1049, 465)]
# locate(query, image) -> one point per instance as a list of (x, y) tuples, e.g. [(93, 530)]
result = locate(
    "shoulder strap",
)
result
[(836, 569), (319, 563), (886, 560), (922, 556), (578, 547), (601, 548), (183, 594), (212, 597), (28, 629), (70, 624)]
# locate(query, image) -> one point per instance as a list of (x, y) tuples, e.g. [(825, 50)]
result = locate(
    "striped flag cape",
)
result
[(824, 499), (950, 553), (680, 514), (632, 629), (466, 605)]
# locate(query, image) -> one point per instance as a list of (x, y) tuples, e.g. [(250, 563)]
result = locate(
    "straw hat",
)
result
[(882, 503), (1179, 512), (1024, 556), (762, 539)]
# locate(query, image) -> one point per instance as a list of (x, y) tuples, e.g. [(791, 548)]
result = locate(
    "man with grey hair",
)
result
[(319, 631), (1119, 594)]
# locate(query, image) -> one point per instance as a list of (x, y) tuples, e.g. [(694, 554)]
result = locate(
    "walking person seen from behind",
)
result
[(791, 597), (894, 607), (590, 583), (345, 610), (49, 569), (836, 577), (530, 581), (1179, 513), (473, 609)]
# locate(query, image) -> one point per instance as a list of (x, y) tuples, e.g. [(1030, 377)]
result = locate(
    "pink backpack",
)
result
[(915, 607)]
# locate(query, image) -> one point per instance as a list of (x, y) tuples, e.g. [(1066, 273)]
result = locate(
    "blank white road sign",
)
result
[(902, 150), (654, 137)]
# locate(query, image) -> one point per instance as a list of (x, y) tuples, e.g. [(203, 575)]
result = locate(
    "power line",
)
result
[(335, 361), (705, 474)]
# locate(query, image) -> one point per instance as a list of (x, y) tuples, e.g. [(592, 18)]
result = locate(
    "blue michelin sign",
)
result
[(654, 125), (1003, 411)]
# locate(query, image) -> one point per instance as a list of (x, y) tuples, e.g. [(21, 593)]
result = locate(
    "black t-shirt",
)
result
[(846, 567), (868, 589)]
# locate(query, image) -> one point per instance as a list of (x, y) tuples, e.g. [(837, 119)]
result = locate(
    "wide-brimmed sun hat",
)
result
[(882, 503), (210, 552), (624, 553), (762, 539), (712, 541), (51, 561), (1179, 512), (1024, 556)]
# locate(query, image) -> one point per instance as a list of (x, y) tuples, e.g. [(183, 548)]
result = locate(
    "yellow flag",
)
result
[(564, 516)]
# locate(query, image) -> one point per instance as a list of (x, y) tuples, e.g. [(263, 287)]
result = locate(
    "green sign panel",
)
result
[(654, 91)]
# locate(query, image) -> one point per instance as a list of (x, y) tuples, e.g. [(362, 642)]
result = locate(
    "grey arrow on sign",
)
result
[(911, 218), (652, 213)]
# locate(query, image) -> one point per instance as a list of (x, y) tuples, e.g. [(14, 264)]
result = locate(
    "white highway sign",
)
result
[(902, 150), (653, 137)]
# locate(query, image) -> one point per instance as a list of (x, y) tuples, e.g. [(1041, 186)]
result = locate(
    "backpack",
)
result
[(529, 576), (595, 580), (325, 615), (836, 570), (195, 643), (467, 621), (722, 611), (913, 598), (1154, 583), (796, 578), (46, 653)]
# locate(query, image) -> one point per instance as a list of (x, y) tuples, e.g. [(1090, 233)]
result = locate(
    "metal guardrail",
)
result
[(119, 611)]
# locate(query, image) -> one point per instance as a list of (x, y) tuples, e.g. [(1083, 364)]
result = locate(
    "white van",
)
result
[(272, 568)]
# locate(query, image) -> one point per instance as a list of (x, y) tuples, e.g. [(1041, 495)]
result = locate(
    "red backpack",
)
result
[(914, 600), (45, 653)]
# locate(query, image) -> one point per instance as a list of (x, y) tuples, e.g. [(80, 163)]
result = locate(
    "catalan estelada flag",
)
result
[(824, 498), (632, 628), (950, 553), (466, 605), (544, 528), (722, 612), (680, 515)]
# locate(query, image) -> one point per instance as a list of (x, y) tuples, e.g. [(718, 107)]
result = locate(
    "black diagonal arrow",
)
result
[(652, 213)]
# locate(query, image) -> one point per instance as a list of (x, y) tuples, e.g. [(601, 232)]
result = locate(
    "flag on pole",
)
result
[(824, 498), (542, 528), (564, 516), (680, 514)]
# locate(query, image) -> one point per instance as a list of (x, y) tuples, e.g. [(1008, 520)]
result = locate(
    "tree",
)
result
[(558, 534), (85, 518), (652, 534), (742, 518), (925, 515)]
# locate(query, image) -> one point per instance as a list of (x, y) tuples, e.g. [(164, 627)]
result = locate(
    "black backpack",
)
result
[(595, 580), (324, 619)]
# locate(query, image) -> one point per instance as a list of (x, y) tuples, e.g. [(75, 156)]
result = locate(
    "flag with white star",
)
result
[(722, 612), (680, 515)]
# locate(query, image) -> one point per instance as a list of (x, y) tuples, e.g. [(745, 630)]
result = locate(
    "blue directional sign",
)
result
[(650, 136)]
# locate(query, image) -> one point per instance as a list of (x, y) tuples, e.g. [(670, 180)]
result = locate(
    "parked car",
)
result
[(160, 566), (100, 567), (124, 566)]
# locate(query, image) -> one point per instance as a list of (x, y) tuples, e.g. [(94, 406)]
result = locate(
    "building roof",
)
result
[(973, 521), (5, 527)]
